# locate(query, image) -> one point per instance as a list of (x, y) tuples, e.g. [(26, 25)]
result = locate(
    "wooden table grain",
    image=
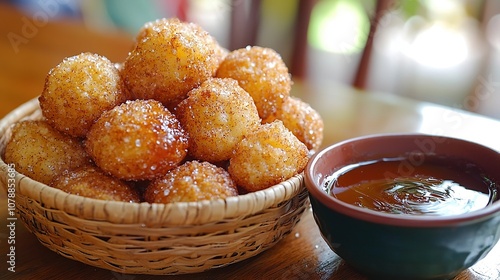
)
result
[(303, 254)]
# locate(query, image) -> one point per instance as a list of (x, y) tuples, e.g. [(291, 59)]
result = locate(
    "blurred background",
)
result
[(446, 52)]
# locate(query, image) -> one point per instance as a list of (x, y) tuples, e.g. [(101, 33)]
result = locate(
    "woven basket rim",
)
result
[(148, 214)]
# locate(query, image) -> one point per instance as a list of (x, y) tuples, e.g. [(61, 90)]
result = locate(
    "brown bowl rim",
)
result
[(401, 220)]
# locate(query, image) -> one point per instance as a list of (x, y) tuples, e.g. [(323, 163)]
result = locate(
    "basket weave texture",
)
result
[(144, 238)]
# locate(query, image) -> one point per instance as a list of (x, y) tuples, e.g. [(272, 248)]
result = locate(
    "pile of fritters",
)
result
[(181, 119)]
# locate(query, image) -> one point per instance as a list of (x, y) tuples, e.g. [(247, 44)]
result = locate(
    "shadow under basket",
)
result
[(144, 238)]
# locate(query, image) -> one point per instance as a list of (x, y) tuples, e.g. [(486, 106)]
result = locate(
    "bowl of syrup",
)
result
[(407, 206)]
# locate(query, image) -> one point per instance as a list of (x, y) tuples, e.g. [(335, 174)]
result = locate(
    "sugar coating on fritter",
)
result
[(262, 73), (92, 182), (266, 157), (191, 181), (169, 59), (220, 55), (137, 140), (78, 90), (217, 115), (302, 120), (41, 152)]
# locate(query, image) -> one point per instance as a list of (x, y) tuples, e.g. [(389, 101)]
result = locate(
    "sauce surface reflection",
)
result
[(435, 186)]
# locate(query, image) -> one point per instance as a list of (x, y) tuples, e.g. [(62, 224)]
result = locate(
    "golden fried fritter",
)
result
[(220, 54), (267, 156), (169, 59), (137, 140), (191, 181), (262, 73), (92, 182), (302, 120), (216, 116), (41, 152), (78, 90)]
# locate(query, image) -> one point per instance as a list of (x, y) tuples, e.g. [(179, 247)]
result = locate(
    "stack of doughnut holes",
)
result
[(181, 119)]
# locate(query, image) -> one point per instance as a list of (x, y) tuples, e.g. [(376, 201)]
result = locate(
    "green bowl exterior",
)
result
[(395, 252), (394, 246)]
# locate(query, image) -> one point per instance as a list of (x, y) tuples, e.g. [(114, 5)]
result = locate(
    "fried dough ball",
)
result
[(266, 157), (262, 73), (92, 182), (302, 120), (169, 59), (137, 140), (220, 54), (191, 181), (78, 90), (41, 152), (216, 116)]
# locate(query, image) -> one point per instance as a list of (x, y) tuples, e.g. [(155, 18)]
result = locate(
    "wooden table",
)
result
[(302, 254)]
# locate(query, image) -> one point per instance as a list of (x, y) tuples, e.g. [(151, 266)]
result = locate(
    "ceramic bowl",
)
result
[(403, 246)]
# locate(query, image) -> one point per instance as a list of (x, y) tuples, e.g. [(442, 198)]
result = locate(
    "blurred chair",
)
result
[(360, 77), (244, 23), (483, 11), (245, 27)]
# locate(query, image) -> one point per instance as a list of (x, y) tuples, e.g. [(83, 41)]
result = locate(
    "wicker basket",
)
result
[(143, 238)]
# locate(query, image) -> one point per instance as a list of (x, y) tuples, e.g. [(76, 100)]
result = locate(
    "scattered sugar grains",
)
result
[(137, 140), (78, 90), (267, 156), (302, 120), (217, 115), (41, 152), (262, 73), (90, 181), (169, 59), (191, 181)]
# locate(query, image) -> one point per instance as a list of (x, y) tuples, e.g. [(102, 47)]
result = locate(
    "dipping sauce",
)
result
[(434, 186)]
